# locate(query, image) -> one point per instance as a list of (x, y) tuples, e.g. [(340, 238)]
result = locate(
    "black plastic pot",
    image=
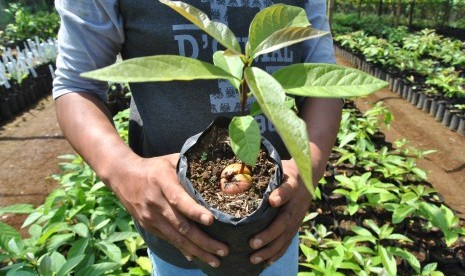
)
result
[(235, 232)]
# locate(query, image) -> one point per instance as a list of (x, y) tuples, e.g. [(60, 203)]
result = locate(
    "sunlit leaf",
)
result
[(231, 64), (326, 80), (284, 38), (217, 30), (158, 68), (275, 18), (292, 130)]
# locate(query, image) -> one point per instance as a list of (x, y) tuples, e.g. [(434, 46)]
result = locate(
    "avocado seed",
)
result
[(233, 181)]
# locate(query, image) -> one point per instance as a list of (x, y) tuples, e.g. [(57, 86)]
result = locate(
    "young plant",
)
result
[(273, 28)]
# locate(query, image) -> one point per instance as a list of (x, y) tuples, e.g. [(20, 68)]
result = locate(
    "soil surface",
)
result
[(31, 143), (215, 172)]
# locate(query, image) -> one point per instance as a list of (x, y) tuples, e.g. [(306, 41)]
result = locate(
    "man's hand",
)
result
[(292, 195), (151, 193)]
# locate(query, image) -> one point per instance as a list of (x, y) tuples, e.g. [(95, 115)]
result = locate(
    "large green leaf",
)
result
[(274, 18), (326, 80), (232, 64), (158, 68), (292, 130), (245, 138), (217, 30), (283, 38)]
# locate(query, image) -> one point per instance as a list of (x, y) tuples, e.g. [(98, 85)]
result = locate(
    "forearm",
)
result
[(323, 118), (87, 126)]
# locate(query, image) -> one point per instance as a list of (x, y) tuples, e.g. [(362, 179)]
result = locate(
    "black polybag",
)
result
[(235, 232)]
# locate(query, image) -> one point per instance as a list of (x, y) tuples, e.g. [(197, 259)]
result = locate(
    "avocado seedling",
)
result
[(272, 28)]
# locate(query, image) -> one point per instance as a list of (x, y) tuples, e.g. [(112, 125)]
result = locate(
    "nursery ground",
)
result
[(31, 143)]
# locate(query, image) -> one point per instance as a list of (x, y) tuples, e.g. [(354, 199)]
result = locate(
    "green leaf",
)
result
[(56, 241), (7, 232), (284, 38), (51, 230), (326, 80), (17, 209), (347, 139), (51, 198), (292, 130), (406, 255), (158, 68), (78, 247), (112, 251), (81, 229), (98, 269), (101, 225), (121, 236), (388, 261), (45, 265), (145, 264), (245, 138), (57, 261), (231, 64), (255, 109), (31, 219), (272, 19), (69, 265), (402, 212), (217, 30)]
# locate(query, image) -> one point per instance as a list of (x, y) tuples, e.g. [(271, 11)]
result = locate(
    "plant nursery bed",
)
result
[(446, 166)]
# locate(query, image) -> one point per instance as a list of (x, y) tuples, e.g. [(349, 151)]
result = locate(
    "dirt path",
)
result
[(29, 147)]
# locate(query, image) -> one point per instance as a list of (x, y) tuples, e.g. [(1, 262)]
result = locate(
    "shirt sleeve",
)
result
[(90, 37), (318, 50)]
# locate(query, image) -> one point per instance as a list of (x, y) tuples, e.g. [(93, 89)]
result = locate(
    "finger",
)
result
[(278, 228), (199, 237), (272, 252), (184, 211), (181, 201), (282, 194), (273, 242)]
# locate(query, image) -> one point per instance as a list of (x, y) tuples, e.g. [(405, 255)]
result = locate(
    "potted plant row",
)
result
[(25, 76), (424, 82), (238, 138)]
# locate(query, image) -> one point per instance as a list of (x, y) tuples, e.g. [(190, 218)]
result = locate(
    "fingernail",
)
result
[(277, 200), (189, 258), (221, 253), (256, 243), (257, 260), (213, 264), (205, 219)]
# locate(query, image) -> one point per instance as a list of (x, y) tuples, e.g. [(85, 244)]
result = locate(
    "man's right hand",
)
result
[(150, 191), (147, 187)]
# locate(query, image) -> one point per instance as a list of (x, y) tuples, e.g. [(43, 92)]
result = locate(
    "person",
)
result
[(163, 115)]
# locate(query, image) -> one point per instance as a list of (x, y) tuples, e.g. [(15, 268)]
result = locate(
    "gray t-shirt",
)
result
[(164, 115)]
